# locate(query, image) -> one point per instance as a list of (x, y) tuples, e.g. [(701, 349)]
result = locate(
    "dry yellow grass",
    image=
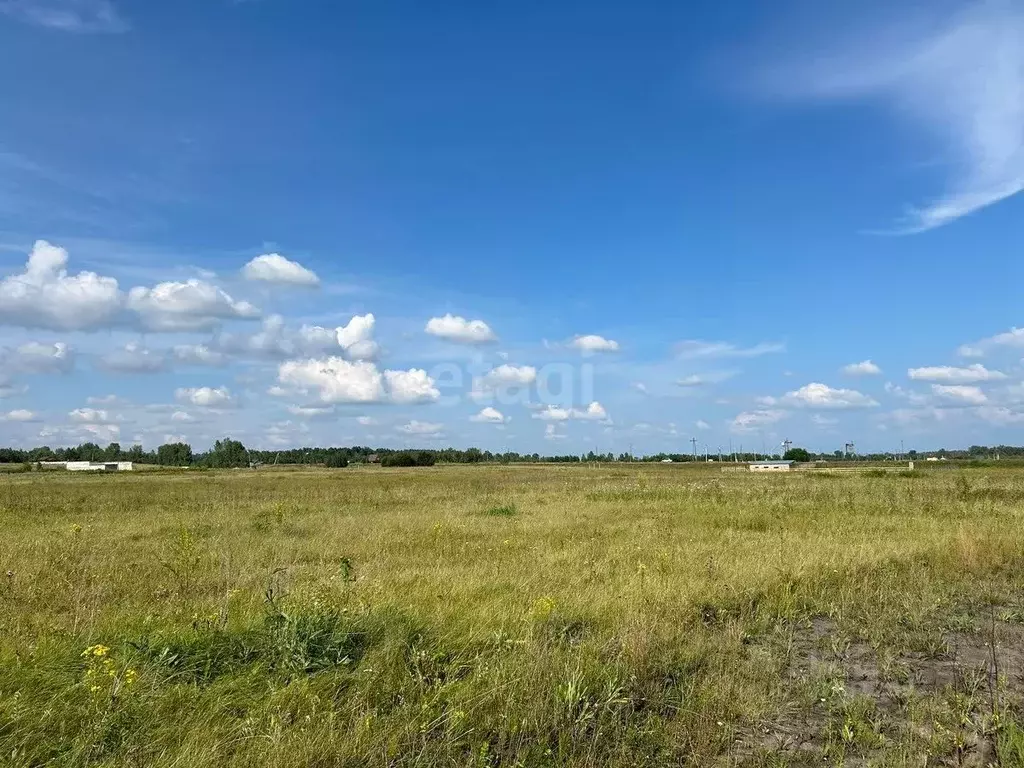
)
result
[(527, 615)]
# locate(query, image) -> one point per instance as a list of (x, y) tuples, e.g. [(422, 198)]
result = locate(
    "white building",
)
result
[(770, 466), (96, 466)]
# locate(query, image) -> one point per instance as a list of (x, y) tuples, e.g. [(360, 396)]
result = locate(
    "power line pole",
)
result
[(694, 441)]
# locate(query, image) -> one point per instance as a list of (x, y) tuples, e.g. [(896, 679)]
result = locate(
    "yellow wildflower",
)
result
[(96, 650)]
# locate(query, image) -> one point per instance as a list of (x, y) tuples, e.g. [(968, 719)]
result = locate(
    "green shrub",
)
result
[(505, 510), (408, 459)]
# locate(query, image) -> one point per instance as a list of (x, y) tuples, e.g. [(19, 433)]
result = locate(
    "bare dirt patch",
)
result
[(851, 703)]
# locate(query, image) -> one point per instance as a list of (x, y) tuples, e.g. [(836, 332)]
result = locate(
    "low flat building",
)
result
[(99, 466), (770, 466)]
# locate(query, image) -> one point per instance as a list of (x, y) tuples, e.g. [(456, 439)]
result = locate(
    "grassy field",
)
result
[(517, 616)]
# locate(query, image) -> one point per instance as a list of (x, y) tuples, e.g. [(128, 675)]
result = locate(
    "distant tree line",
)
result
[(232, 453)]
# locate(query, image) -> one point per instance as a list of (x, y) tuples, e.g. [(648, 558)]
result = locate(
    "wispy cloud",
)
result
[(961, 82), (1011, 338), (693, 349), (81, 16)]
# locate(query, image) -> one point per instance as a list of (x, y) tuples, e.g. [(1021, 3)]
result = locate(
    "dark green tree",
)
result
[(797, 454), (174, 455), (228, 453)]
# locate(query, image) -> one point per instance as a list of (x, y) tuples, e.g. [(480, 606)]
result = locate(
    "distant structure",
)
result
[(373, 458), (850, 450), (90, 466), (770, 466)]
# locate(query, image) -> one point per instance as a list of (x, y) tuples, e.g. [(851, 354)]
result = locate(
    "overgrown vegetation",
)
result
[(618, 616)]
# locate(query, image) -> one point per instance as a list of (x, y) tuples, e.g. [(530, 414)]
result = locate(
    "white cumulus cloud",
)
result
[(337, 380), (275, 268), (461, 330), (412, 386), (593, 412), (89, 416), (960, 393), (193, 305), (205, 397), (489, 415), (594, 343), (19, 415), (46, 296), (817, 395), (356, 338), (504, 377)]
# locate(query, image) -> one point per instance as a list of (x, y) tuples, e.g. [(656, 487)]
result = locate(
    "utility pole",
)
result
[(693, 440)]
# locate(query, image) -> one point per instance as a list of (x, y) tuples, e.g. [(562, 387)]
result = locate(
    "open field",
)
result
[(516, 616)]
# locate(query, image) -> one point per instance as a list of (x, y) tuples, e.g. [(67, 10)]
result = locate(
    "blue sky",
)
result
[(548, 227)]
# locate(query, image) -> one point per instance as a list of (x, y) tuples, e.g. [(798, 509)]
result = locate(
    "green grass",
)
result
[(617, 616)]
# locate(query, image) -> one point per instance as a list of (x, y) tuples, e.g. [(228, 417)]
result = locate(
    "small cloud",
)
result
[(593, 343), (816, 395), (415, 427), (489, 416), (701, 424), (960, 393), (460, 330), (275, 268), (20, 415), (503, 378), (311, 411), (593, 412), (704, 379), (551, 433), (953, 375), (751, 421), (205, 397), (89, 416), (864, 368)]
